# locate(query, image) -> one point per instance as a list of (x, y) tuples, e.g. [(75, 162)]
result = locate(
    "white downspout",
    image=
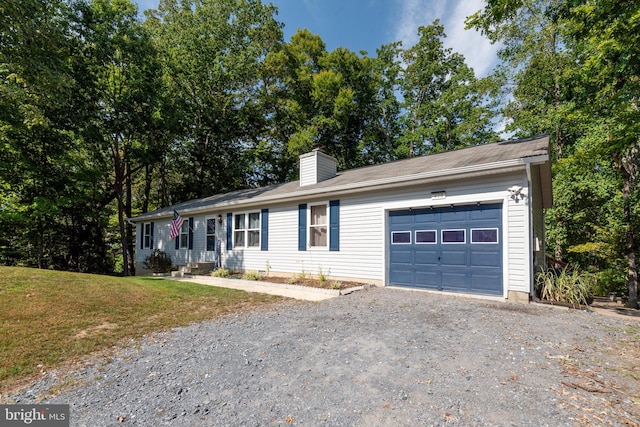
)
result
[(531, 232)]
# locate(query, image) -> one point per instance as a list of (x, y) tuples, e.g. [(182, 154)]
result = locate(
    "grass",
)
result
[(49, 318)]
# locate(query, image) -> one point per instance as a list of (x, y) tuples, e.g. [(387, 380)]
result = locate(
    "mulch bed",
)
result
[(313, 283)]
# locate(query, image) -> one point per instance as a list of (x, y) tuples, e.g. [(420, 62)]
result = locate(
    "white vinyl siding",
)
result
[(362, 252), (517, 249), (315, 167)]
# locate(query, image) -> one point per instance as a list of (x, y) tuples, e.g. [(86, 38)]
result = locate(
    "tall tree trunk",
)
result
[(128, 214), (164, 190), (147, 188), (119, 187), (632, 271), (625, 163), (123, 233)]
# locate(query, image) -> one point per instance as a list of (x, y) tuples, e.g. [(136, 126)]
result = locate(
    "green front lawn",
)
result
[(50, 317)]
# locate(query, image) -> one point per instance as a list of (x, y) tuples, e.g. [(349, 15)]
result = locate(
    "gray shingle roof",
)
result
[(465, 159)]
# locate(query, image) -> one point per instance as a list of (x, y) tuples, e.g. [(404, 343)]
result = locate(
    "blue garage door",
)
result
[(455, 249)]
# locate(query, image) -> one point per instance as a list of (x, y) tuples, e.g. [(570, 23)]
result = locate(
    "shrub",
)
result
[(158, 262), (251, 275), (221, 272), (565, 285)]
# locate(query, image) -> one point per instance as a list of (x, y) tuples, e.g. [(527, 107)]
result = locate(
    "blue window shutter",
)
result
[(190, 232), (177, 241), (151, 237), (302, 227), (334, 225), (229, 230), (264, 230), (142, 235)]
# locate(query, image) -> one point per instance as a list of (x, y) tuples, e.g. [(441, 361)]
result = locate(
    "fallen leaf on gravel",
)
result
[(289, 419), (121, 419)]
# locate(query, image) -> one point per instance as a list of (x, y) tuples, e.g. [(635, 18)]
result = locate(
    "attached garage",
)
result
[(457, 249)]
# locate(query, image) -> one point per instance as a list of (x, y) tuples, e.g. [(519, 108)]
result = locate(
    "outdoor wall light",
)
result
[(514, 190), (219, 219)]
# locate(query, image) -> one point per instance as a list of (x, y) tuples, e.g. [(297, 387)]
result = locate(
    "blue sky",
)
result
[(368, 24)]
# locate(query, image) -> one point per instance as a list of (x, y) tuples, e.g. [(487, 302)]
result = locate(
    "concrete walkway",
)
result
[(290, 291)]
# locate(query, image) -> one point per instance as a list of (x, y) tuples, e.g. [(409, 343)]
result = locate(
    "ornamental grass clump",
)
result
[(221, 272), (565, 285), (251, 275)]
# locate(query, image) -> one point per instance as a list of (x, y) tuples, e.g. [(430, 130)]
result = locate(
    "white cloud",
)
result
[(477, 50), (413, 14), (479, 53)]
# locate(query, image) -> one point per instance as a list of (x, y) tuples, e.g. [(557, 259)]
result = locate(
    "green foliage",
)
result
[(569, 286), (158, 261), (447, 107), (221, 272), (103, 116), (575, 69), (322, 276), (251, 275)]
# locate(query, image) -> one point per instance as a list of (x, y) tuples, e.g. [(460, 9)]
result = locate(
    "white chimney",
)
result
[(316, 167)]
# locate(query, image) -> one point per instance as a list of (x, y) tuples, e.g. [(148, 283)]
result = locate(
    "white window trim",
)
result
[(453, 243), (185, 226), (486, 243), (310, 226), (402, 232), (146, 237), (246, 230)]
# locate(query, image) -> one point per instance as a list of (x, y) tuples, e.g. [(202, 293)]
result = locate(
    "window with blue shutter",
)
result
[(302, 227), (264, 230), (334, 225)]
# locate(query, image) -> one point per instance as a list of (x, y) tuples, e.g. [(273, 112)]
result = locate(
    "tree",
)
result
[(212, 53), (535, 66), (119, 74), (575, 75), (381, 143), (447, 107), (606, 36), (322, 99)]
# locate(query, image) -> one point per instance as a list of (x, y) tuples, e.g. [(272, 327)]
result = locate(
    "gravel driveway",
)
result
[(380, 357)]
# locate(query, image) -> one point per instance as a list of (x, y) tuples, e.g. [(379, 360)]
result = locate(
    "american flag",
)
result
[(176, 225)]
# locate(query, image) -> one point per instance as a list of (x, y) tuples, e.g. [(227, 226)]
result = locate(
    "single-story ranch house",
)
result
[(468, 221)]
